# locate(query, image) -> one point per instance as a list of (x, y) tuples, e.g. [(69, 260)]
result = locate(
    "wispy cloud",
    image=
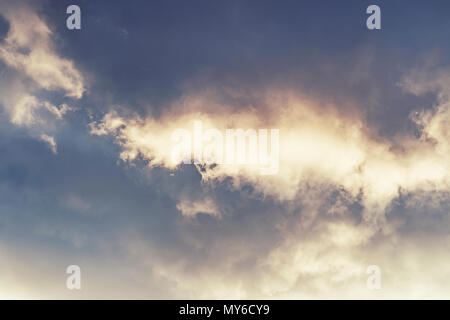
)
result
[(34, 65)]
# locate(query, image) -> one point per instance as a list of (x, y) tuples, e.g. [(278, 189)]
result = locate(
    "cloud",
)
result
[(31, 66), (28, 48), (344, 197), (318, 145), (299, 258), (433, 123), (29, 111), (308, 232), (51, 142), (24, 112), (190, 209), (348, 198)]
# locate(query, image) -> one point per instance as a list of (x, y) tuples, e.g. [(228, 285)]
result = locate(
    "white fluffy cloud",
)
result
[(28, 48), (31, 64), (317, 145)]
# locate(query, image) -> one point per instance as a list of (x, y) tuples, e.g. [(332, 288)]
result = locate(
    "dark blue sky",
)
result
[(144, 54)]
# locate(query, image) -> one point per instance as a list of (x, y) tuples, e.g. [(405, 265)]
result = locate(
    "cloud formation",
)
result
[(318, 145), (28, 48), (346, 194), (346, 183), (33, 66)]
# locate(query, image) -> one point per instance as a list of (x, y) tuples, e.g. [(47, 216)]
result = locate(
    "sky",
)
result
[(363, 168)]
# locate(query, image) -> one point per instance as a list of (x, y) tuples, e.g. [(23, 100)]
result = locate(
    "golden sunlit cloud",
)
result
[(314, 148)]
